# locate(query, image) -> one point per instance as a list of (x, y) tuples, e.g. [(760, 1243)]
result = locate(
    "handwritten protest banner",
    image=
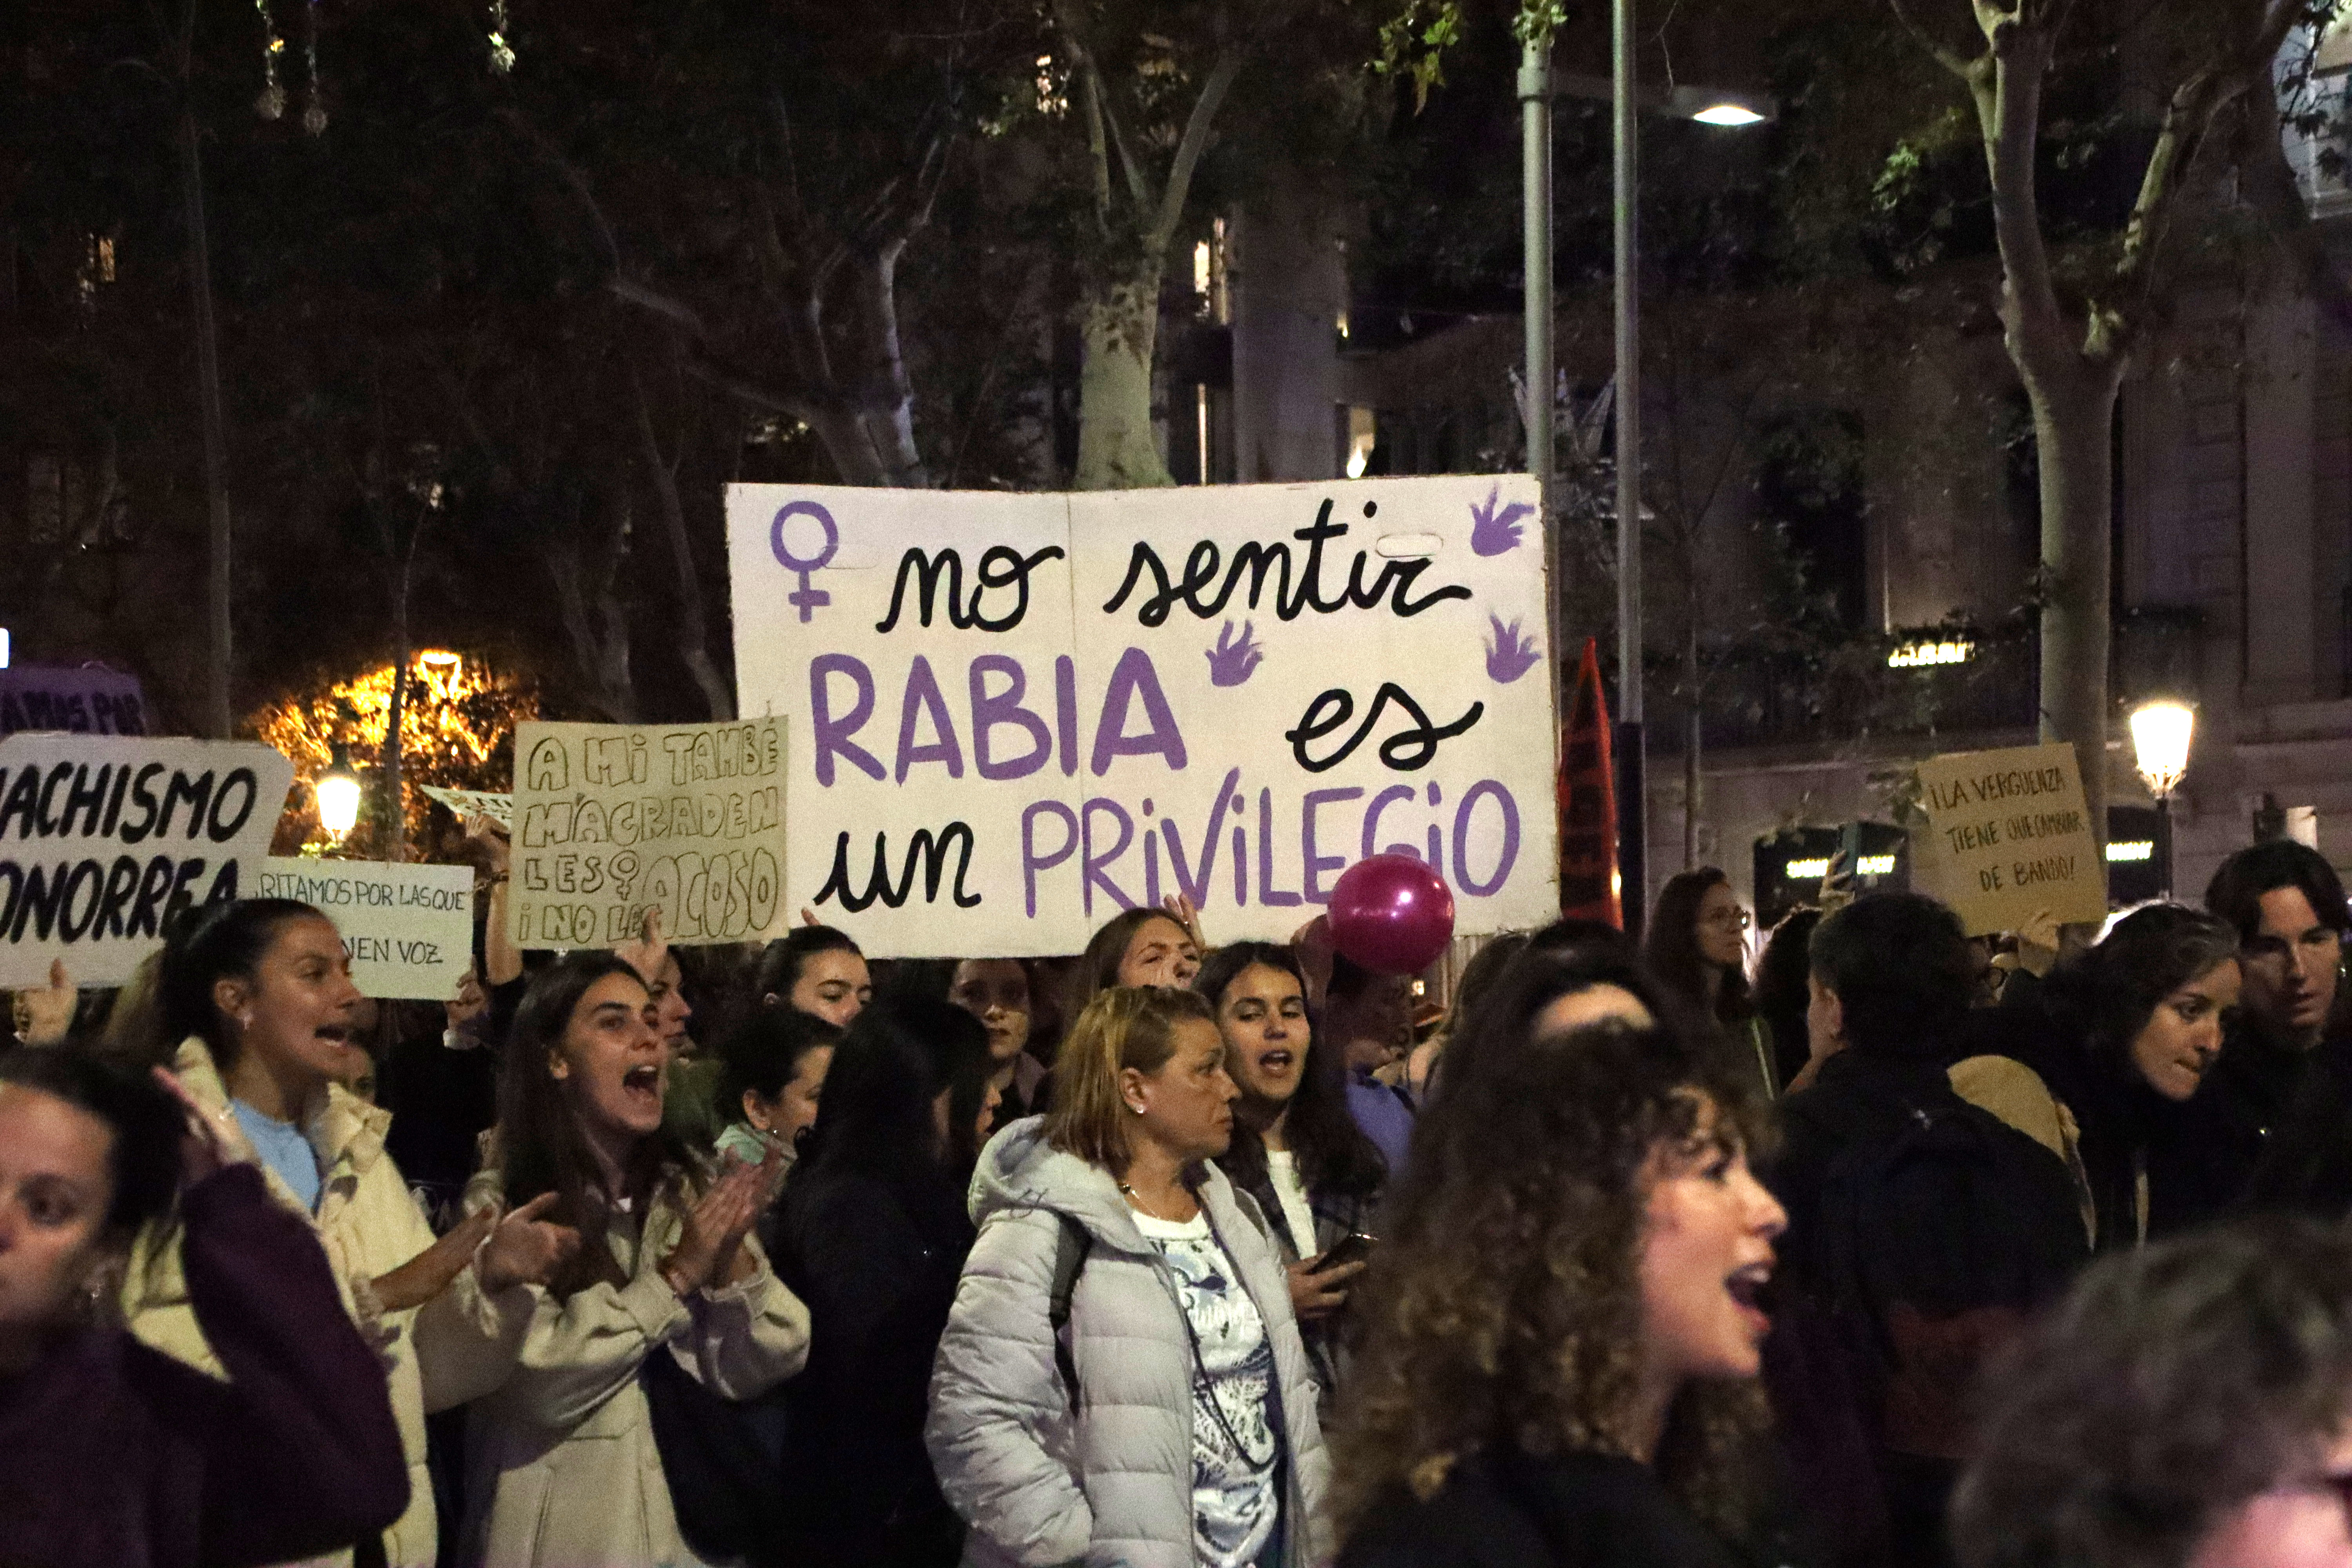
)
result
[(1014, 716), (408, 929), (465, 803), (104, 838), (612, 819), (2008, 835), (86, 702)]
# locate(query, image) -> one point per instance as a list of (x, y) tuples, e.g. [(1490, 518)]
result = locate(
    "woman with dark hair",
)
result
[(772, 1082), (1121, 1379), (1140, 947), (1560, 1345), (2188, 1405), (997, 992), (257, 995), (1296, 1149), (1599, 975), (2110, 1041), (1698, 947), (872, 1235), (818, 969), (1784, 995), (116, 1452), (563, 1470)]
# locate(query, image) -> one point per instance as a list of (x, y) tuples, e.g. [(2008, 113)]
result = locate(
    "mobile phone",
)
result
[(1351, 1249)]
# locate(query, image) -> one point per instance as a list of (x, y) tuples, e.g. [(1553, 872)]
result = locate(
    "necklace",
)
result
[(1128, 1191)]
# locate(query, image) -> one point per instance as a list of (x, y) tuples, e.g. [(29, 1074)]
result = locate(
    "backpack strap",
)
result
[(1071, 1246)]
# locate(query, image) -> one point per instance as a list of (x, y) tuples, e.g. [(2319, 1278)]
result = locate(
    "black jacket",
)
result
[(1510, 1511), (1856, 1098), (2260, 1127), (877, 1261)]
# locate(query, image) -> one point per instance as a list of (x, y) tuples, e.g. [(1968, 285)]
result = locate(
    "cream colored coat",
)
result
[(561, 1467), (456, 1347)]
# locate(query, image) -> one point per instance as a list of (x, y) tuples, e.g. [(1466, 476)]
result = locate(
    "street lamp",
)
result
[(2160, 735), (337, 793), (1537, 84)]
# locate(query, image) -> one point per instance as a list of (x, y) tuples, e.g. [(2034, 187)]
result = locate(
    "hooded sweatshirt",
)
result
[(1111, 1482)]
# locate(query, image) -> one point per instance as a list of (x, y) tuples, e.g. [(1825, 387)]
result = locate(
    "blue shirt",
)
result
[(1386, 1117), (284, 1149)]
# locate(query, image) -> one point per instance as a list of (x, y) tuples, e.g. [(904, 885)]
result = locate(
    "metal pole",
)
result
[(220, 538), (1632, 803), (1535, 137), (2163, 847)]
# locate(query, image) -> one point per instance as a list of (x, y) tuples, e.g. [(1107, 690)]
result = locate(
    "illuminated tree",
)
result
[(456, 730)]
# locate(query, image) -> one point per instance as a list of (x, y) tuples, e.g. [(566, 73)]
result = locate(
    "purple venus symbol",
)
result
[(806, 599)]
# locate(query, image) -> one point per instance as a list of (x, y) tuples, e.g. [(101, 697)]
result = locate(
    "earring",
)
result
[(1136, 1109)]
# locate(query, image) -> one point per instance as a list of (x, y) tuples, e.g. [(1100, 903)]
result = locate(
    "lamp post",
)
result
[(1538, 84), (337, 794), (2160, 736)]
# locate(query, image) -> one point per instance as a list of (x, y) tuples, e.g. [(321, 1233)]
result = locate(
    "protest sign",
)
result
[(2008, 837), (612, 819), (103, 837), (465, 803), (86, 702), (1014, 716), (408, 929)]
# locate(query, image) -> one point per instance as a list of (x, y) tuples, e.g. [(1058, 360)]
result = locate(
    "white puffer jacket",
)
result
[(1113, 1485)]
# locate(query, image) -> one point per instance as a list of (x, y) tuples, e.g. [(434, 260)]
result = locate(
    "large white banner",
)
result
[(1014, 716), (407, 930), (104, 836)]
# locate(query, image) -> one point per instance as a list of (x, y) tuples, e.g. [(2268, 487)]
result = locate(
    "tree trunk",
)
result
[(394, 834), (2074, 422), (693, 635), (1116, 449)]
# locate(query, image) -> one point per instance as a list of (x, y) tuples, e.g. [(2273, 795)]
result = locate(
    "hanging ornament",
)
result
[(501, 53), (271, 104), (314, 118)]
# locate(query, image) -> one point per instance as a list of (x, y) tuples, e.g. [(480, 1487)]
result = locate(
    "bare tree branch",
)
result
[(1194, 143), (1951, 59)]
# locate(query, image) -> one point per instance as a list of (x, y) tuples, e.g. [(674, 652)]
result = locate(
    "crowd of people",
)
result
[(1877, 1246)]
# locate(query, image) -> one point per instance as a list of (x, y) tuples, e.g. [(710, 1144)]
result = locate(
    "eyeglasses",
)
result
[(1738, 918)]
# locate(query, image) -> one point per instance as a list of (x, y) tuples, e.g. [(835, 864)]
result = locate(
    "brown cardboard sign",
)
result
[(2008, 836)]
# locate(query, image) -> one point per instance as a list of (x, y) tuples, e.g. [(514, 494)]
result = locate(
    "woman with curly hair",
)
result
[(2188, 1405), (1561, 1337)]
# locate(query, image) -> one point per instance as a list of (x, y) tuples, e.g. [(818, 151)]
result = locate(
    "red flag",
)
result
[(1587, 803)]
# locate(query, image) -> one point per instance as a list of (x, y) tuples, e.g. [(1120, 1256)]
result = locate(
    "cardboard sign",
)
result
[(2008, 836), (612, 819), (465, 802), (85, 701), (1015, 716), (409, 929), (103, 837)]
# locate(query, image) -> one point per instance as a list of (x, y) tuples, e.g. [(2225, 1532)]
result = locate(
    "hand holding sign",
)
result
[(647, 952), (44, 1013)]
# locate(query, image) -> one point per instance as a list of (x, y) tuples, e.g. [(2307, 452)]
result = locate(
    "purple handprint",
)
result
[(1494, 532), (1231, 661), (1510, 655)]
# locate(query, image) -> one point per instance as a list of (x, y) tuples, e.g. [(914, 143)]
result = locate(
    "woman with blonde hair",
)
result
[(1121, 1380), (1561, 1336)]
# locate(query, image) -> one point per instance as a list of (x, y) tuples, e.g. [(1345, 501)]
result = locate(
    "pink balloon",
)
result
[(1391, 913)]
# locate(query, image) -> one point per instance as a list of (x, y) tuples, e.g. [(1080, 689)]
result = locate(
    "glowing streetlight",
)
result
[(2160, 735), (337, 793), (1732, 114)]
